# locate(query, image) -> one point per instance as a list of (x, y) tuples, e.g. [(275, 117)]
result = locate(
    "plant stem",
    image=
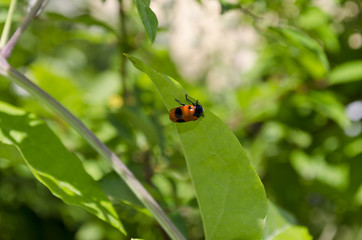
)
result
[(7, 26), (101, 148), (123, 43), (6, 51)]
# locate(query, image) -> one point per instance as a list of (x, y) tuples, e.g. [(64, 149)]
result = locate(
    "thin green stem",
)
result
[(123, 43), (6, 50), (7, 26)]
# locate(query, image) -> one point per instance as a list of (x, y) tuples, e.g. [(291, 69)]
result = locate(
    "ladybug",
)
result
[(186, 113)]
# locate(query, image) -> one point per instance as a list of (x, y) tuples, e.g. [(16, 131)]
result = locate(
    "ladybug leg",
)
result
[(189, 100), (179, 102)]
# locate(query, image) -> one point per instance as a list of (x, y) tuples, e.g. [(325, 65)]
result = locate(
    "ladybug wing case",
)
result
[(183, 114)]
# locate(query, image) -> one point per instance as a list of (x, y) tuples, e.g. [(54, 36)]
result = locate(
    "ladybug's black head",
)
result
[(199, 110)]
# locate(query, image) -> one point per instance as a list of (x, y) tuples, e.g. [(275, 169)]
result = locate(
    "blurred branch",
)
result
[(250, 13), (225, 6), (124, 48), (6, 51), (7, 26)]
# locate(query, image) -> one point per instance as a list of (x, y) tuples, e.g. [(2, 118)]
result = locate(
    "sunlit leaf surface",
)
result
[(51, 163), (231, 197), (347, 72)]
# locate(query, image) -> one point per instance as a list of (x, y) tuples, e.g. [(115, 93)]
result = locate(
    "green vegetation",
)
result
[(277, 155)]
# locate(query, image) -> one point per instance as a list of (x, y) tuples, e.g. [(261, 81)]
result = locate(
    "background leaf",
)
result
[(231, 197), (346, 72), (112, 184), (52, 164), (281, 225), (305, 50), (148, 18)]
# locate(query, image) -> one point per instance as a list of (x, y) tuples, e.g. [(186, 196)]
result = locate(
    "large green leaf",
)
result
[(148, 18), (231, 196), (51, 163), (280, 225)]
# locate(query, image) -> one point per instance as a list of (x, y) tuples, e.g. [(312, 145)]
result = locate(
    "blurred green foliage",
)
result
[(290, 112)]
